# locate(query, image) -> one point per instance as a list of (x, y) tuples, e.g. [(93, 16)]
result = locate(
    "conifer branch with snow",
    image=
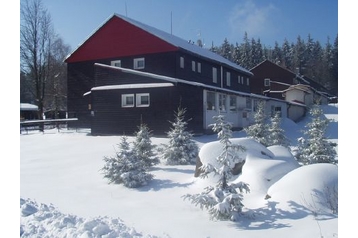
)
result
[(315, 146), (223, 202), (181, 149)]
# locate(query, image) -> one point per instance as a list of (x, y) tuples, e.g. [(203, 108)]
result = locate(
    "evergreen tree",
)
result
[(181, 149), (143, 147), (125, 168), (276, 135), (316, 148), (259, 130), (223, 202)]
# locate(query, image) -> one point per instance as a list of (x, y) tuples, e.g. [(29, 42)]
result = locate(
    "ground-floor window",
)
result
[(127, 100), (210, 101), (232, 104), (274, 110), (143, 100), (222, 102)]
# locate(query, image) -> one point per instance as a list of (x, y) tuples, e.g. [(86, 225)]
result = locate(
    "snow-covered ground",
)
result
[(64, 194)]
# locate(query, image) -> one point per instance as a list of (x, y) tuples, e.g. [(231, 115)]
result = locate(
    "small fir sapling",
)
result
[(181, 149), (259, 130), (315, 147), (223, 202), (143, 148), (125, 168), (276, 135)]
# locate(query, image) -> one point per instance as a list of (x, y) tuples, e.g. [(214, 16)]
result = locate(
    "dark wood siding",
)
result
[(268, 69), (109, 117), (206, 74)]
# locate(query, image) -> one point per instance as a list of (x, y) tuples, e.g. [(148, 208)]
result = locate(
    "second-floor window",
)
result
[(199, 67), (138, 63), (215, 75), (182, 62), (267, 82), (228, 79), (193, 66), (116, 63)]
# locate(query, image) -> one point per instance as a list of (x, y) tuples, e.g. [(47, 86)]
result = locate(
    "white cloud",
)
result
[(257, 21)]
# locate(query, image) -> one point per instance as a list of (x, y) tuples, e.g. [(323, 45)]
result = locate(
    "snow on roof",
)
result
[(130, 86), (176, 41), (28, 107)]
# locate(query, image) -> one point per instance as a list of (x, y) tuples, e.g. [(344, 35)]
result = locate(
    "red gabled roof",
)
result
[(121, 36), (118, 38)]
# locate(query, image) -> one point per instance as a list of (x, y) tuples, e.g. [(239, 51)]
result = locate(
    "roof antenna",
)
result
[(171, 23), (126, 8)]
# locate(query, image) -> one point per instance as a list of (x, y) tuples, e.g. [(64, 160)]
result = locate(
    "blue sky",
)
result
[(211, 20)]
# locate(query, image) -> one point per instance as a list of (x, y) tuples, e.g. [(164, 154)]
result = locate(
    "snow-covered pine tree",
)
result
[(181, 149), (316, 148), (259, 130), (143, 148), (276, 135), (125, 168), (223, 202)]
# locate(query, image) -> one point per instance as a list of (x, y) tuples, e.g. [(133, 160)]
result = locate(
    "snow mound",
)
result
[(316, 188), (210, 151), (261, 171), (45, 221)]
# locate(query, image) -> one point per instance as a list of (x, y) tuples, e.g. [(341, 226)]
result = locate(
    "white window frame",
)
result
[(124, 100), (136, 63), (139, 100), (232, 103), (267, 82), (215, 75), (116, 63), (181, 62), (199, 67), (222, 103)]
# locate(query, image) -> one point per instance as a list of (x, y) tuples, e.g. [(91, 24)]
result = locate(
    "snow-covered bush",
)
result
[(125, 167), (222, 201), (181, 149), (259, 130), (315, 147), (143, 148), (276, 135)]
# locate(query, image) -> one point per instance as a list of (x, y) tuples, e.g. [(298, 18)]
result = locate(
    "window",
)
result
[(267, 82), (275, 110), (193, 66), (228, 79), (232, 103), (238, 79), (139, 63), (116, 63), (199, 67), (143, 100), (210, 101), (248, 103), (215, 75), (222, 102), (127, 100), (182, 62), (247, 81)]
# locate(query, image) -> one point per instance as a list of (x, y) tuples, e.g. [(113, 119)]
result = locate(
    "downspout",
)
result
[(221, 76)]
